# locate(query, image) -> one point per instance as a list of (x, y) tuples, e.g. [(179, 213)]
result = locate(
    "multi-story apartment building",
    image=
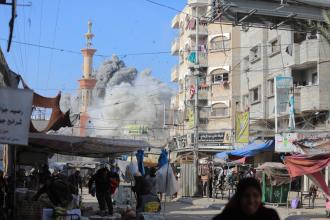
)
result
[(217, 83), (302, 56)]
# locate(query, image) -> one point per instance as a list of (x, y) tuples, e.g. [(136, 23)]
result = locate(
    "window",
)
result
[(220, 110), (203, 121), (275, 47), (220, 43), (314, 79), (220, 76), (255, 54), (270, 89), (255, 95)]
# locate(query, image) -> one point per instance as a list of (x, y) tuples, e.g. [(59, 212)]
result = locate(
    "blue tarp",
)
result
[(248, 150)]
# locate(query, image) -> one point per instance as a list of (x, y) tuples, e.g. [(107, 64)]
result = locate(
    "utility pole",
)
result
[(196, 112)]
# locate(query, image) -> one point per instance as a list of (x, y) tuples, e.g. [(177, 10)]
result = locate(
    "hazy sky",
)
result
[(120, 27)]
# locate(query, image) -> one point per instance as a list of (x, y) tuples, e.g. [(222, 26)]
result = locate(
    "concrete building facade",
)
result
[(302, 56), (218, 82)]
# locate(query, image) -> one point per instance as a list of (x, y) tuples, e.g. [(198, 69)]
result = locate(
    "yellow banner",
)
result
[(191, 118), (137, 129), (242, 127)]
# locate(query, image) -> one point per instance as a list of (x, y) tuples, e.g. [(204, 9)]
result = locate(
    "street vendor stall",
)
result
[(275, 182), (312, 166), (44, 146)]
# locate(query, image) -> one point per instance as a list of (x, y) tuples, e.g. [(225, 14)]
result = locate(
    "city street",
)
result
[(135, 103)]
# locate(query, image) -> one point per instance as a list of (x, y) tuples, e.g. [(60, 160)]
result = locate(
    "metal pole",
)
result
[(164, 118), (275, 94), (196, 119)]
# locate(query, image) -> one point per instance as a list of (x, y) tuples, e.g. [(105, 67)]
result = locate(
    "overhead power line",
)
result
[(132, 54), (169, 7)]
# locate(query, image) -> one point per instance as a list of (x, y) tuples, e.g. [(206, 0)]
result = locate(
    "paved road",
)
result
[(177, 210)]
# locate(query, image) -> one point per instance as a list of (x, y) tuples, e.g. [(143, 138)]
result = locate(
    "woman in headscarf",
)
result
[(246, 204)]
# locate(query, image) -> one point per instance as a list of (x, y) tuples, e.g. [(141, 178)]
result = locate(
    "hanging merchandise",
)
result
[(165, 178), (166, 181), (163, 158), (131, 170), (139, 157)]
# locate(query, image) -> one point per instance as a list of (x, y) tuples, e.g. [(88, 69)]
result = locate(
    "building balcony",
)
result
[(202, 31), (306, 52), (176, 21), (195, 3), (175, 47), (309, 98), (175, 74), (203, 94), (202, 60)]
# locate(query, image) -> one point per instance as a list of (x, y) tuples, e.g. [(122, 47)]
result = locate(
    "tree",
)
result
[(325, 29)]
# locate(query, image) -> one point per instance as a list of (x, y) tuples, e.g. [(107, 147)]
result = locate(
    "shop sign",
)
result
[(182, 141), (211, 138), (137, 129), (15, 114), (284, 142)]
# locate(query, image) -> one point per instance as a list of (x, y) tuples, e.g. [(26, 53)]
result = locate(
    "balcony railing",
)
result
[(307, 98), (202, 31), (198, 2), (306, 51), (202, 59)]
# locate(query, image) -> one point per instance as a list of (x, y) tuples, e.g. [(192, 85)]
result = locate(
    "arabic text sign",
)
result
[(15, 114), (284, 142)]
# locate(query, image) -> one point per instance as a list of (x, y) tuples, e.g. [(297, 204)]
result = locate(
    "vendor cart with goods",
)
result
[(275, 181)]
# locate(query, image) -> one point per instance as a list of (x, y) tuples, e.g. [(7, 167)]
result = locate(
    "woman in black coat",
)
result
[(246, 204)]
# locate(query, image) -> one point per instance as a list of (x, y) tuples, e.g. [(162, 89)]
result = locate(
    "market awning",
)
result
[(248, 150), (276, 172), (303, 164), (81, 146), (310, 165), (230, 163)]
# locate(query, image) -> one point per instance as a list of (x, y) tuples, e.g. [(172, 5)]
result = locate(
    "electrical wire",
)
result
[(40, 33), (171, 8), (129, 54), (53, 43)]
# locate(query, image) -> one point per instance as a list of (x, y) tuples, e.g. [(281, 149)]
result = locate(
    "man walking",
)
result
[(76, 181), (102, 179)]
